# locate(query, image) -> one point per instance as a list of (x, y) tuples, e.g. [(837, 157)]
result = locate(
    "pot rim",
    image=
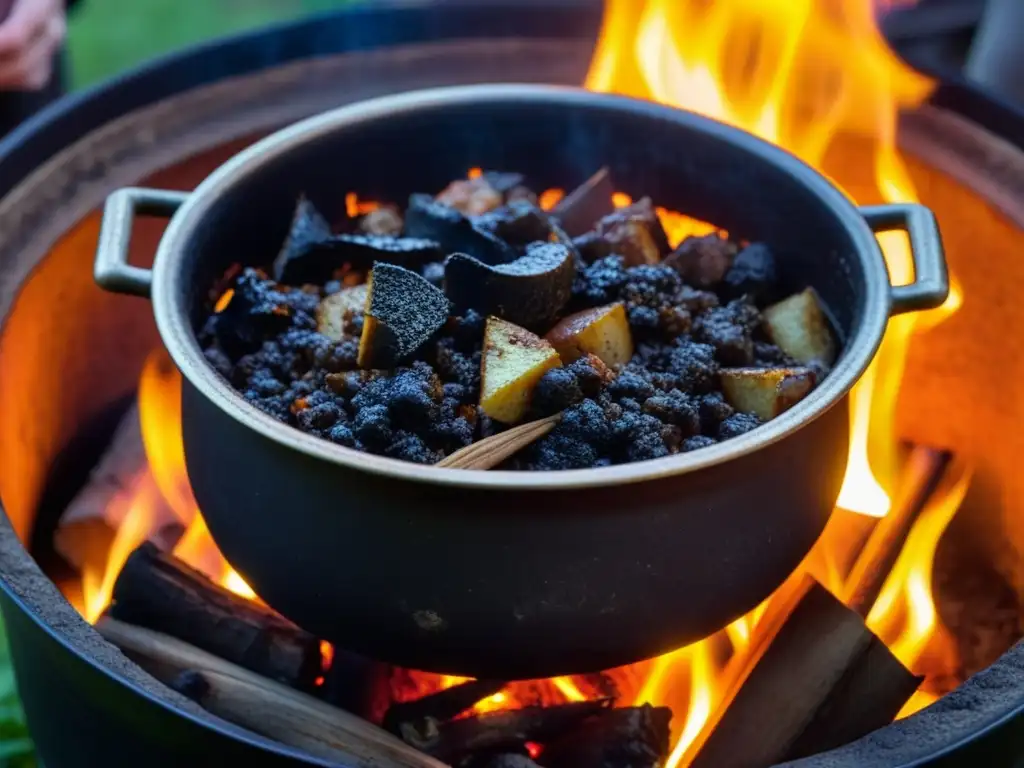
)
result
[(182, 344)]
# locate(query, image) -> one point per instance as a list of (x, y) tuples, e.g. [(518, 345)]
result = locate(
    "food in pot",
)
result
[(412, 334)]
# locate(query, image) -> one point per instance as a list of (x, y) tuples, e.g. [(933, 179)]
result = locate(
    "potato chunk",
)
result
[(766, 393), (337, 310), (513, 362), (601, 331), (800, 329)]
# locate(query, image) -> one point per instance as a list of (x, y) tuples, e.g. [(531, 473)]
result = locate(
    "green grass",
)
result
[(106, 37)]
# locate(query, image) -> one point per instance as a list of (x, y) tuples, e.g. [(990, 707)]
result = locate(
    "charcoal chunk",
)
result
[(320, 261), (754, 274), (456, 233), (528, 291), (703, 261)]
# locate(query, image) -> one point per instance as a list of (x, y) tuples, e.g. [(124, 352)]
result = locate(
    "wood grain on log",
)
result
[(263, 706), (157, 591)]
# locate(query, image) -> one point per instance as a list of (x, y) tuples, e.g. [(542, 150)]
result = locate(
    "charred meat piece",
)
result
[(427, 219), (528, 291), (703, 262), (402, 312), (471, 196), (580, 210), (635, 233), (386, 221)]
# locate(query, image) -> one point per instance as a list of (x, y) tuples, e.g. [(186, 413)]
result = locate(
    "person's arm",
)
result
[(30, 36)]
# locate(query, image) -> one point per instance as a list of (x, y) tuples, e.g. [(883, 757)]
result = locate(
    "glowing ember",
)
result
[(799, 73)]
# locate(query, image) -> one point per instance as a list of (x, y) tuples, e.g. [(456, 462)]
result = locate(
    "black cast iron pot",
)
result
[(505, 574)]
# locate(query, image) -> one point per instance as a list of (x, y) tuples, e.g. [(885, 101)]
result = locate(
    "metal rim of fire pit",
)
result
[(31, 599)]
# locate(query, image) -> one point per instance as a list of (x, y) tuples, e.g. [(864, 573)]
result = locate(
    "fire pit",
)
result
[(87, 479)]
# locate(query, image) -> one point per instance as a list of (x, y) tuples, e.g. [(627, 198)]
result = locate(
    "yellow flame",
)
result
[(904, 614), (137, 524)]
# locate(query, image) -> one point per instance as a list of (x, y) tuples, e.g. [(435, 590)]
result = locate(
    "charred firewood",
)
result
[(261, 705), (356, 684), (628, 737), (500, 731), (440, 706), (157, 591), (89, 524)]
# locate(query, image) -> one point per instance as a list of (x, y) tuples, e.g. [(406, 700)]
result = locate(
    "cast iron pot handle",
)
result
[(112, 271), (931, 278)]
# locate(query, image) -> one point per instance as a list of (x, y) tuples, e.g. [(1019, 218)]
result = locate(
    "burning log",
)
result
[(87, 527), (261, 705), (822, 680), (157, 591), (440, 706), (628, 737), (871, 568), (498, 732)]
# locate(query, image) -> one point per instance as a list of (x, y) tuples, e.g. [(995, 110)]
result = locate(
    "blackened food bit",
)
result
[(703, 261), (529, 291), (753, 274), (696, 442), (402, 312), (730, 330), (456, 233), (259, 310), (677, 409), (738, 424), (557, 390)]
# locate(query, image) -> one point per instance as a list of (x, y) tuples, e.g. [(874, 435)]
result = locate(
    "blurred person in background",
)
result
[(31, 57)]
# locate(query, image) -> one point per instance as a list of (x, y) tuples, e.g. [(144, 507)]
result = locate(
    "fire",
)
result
[(802, 74)]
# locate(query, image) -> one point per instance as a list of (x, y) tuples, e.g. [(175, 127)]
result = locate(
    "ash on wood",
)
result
[(824, 679), (261, 705), (157, 591), (87, 527), (496, 732), (440, 706), (628, 737)]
